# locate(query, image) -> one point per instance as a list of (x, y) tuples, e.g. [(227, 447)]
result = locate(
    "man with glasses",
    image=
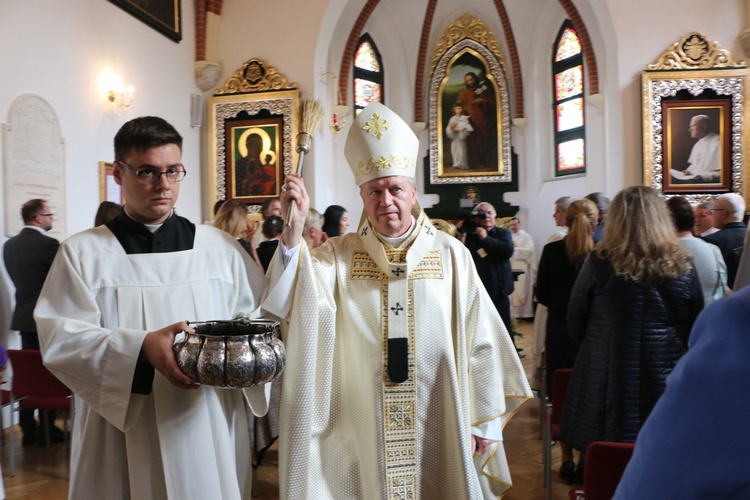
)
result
[(28, 257), (728, 212), (116, 298)]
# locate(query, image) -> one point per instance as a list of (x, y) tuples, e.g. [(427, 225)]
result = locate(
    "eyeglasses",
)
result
[(47, 215), (151, 175), (718, 210)]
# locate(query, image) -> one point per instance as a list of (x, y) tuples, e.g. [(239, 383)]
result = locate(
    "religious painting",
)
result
[(696, 144), (251, 146), (162, 15), (469, 108), (253, 172), (694, 119)]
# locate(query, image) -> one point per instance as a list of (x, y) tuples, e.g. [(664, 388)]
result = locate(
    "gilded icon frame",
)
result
[(467, 46), (693, 76)]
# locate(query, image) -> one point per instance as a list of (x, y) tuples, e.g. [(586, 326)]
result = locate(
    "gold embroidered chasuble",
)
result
[(347, 430)]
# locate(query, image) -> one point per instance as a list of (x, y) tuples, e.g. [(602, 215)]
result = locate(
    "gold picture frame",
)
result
[(252, 133), (694, 77), (468, 70)]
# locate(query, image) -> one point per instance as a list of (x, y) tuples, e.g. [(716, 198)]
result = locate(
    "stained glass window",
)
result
[(570, 114), (568, 82), (570, 155), (366, 57), (568, 44), (368, 74)]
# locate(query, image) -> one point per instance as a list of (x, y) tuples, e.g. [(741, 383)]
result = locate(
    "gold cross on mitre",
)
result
[(377, 128)]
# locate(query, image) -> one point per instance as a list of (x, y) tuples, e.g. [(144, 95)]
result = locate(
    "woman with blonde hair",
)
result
[(631, 310), (232, 218), (558, 269)]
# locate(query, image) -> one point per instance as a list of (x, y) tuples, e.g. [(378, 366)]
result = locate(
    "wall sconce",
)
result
[(119, 94), (338, 118), (338, 111)]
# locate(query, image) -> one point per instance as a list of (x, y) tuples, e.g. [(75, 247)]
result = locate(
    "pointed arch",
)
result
[(368, 75)]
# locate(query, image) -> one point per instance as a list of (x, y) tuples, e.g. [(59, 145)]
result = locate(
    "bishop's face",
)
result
[(388, 202)]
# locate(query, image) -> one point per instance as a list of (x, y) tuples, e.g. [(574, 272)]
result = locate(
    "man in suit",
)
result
[(728, 211), (28, 257)]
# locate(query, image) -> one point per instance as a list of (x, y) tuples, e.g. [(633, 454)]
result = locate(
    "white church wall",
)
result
[(59, 50)]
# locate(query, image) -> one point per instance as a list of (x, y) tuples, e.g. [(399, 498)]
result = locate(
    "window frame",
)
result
[(561, 137), (377, 77)]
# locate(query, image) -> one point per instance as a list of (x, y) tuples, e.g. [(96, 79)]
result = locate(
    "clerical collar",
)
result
[(396, 242), (173, 235)]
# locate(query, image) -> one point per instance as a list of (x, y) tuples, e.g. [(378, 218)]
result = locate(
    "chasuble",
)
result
[(349, 431)]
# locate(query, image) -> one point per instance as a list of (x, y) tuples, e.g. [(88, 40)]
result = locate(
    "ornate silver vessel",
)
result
[(232, 353)]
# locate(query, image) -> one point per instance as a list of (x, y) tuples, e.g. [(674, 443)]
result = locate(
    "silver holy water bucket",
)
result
[(230, 354)]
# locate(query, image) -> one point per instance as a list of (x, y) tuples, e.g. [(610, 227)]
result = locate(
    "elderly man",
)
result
[(704, 220), (705, 157), (400, 374), (114, 301), (602, 203), (313, 230), (728, 211)]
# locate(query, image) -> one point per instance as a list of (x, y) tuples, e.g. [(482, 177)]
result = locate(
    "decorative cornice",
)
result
[(467, 26), (695, 51), (255, 76)]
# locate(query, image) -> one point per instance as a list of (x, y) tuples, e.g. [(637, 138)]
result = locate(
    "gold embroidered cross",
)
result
[(376, 127)]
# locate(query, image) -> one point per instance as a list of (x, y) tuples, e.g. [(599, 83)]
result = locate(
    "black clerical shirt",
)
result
[(175, 235)]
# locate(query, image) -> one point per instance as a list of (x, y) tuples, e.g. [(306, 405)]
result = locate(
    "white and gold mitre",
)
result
[(380, 144)]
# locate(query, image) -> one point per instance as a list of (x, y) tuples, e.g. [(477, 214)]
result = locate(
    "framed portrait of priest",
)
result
[(694, 121), (697, 145)]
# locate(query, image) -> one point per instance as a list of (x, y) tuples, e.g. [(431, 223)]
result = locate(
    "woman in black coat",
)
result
[(558, 269), (631, 310)]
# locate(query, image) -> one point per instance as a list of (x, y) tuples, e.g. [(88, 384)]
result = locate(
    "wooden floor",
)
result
[(42, 473)]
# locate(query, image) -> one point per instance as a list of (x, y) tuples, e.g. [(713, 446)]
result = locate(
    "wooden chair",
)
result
[(605, 464), (552, 418), (35, 388)]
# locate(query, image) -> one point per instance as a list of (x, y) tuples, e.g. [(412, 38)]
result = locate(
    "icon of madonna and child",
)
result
[(469, 113), (255, 163)]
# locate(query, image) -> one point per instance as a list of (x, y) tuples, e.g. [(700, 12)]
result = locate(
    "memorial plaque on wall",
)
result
[(33, 162)]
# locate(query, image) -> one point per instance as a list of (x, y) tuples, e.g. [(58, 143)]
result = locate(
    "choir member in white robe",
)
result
[(523, 259), (398, 364), (140, 431)]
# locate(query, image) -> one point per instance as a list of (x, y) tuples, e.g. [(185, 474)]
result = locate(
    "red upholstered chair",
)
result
[(35, 388), (553, 416), (605, 463)]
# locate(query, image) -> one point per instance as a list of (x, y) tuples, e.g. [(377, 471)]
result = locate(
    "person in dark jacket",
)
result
[(491, 248), (558, 269), (272, 229), (728, 211), (631, 310), (28, 257)]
